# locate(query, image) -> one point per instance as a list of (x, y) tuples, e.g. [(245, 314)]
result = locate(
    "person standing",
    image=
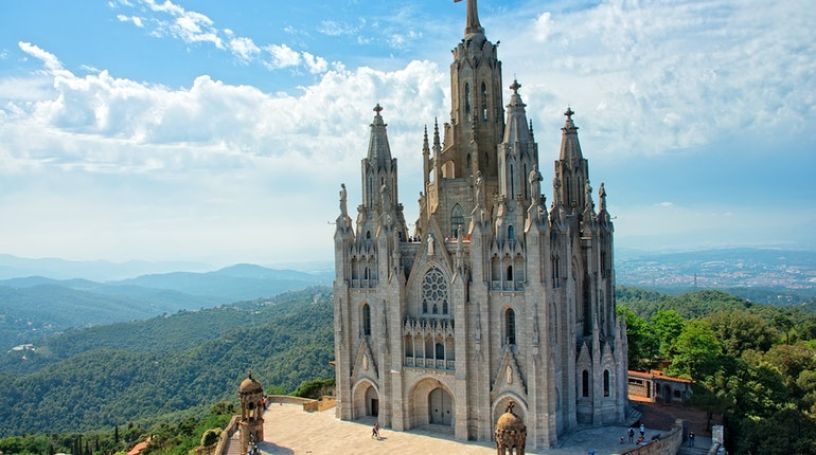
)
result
[(631, 435), (642, 430), (691, 439)]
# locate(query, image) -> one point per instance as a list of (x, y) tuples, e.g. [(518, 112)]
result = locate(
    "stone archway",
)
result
[(500, 406), (431, 402), (365, 400)]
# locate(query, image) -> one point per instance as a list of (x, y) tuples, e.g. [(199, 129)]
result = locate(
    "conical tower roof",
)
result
[(379, 152)]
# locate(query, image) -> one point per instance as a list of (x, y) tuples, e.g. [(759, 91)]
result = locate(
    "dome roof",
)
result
[(509, 421), (250, 385)]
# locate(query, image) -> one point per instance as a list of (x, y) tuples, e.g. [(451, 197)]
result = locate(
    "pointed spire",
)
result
[(516, 129), (472, 26), (379, 152), (532, 136), (425, 147), (602, 197), (570, 147), (436, 141)]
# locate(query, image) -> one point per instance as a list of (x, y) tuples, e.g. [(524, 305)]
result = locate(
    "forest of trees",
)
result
[(755, 364), (109, 376)]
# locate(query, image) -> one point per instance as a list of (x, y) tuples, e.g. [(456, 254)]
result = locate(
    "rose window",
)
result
[(435, 292)]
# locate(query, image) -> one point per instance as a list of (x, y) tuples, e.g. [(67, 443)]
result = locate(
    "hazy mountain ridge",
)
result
[(32, 307)]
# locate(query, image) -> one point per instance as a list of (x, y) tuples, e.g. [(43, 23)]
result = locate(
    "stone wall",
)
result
[(669, 443)]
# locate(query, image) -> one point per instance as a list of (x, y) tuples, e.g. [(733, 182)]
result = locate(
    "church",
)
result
[(494, 298)]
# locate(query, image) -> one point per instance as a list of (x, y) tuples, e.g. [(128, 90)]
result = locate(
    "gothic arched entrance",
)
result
[(366, 400), (440, 407), (431, 402)]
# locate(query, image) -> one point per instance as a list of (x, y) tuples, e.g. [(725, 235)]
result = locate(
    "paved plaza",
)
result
[(290, 430)]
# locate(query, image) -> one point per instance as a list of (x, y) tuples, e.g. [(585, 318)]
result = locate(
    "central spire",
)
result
[(473, 26)]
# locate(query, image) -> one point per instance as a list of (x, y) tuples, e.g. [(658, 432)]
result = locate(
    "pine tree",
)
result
[(116, 434)]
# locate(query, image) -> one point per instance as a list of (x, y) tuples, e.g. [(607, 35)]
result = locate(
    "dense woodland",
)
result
[(121, 383), (112, 375), (754, 363)]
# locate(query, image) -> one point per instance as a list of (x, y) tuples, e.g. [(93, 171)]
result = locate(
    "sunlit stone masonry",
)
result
[(494, 298)]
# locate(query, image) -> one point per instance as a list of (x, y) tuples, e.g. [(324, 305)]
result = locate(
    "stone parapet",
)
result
[(668, 443)]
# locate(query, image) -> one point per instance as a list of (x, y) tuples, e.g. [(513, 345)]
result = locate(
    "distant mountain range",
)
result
[(63, 269), (35, 306)]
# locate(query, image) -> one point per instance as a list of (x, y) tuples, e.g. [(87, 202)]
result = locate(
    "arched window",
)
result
[(606, 383), (424, 306), (511, 233), (440, 351), (509, 273), (556, 278), (469, 162), (585, 384), (457, 220), (368, 234), (366, 274), (467, 98), (366, 320), (510, 326), (435, 291)]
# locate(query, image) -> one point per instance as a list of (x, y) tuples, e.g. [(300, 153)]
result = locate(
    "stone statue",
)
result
[(535, 185), (477, 185), (386, 198), (430, 245), (343, 200)]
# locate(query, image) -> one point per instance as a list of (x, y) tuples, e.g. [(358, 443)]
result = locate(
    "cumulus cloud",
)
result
[(233, 148), (657, 77)]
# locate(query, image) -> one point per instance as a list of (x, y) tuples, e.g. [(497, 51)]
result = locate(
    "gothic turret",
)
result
[(571, 168), (379, 169)]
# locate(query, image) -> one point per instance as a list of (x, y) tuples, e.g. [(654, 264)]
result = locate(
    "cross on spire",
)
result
[(569, 113), (515, 87), (378, 109)]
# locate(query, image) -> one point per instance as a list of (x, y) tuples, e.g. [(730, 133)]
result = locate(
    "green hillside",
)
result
[(111, 375)]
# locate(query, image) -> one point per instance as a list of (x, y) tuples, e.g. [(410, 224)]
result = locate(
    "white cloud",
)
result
[(159, 169), (136, 20), (282, 56), (542, 27), (49, 60), (244, 48), (316, 65), (193, 27), (670, 76)]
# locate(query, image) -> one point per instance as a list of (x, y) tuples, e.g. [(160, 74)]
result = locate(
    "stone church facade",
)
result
[(494, 298)]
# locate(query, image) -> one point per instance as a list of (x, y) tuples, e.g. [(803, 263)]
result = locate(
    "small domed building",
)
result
[(511, 433), (250, 392)]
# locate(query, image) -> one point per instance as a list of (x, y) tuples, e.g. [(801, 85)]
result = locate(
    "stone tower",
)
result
[(494, 298), (250, 392)]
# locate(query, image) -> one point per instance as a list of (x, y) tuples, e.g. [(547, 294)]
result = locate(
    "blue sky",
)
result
[(220, 131)]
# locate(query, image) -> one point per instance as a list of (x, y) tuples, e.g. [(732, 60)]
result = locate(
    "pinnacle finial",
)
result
[(378, 109), (569, 113), (472, 25), (531, 128), (515, 87), (436, 140), (510, 407)]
